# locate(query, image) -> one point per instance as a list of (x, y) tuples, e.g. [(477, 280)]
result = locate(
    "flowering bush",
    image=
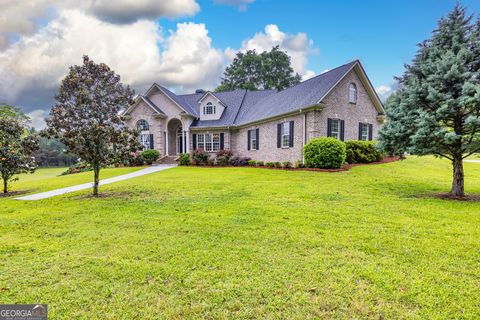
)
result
[(222, 158), (200, 157)]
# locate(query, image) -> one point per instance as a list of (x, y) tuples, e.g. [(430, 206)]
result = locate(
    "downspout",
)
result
[(304, 135)]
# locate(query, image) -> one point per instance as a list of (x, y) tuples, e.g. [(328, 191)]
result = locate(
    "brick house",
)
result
[(264, 125)]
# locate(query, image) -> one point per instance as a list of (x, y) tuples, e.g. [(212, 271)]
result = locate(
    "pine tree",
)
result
[(437, 109)]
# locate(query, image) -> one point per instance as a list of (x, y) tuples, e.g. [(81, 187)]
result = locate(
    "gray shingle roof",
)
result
[(302, 95), (243, 107), (191, 109)]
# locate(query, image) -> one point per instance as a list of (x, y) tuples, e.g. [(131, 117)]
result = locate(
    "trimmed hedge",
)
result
[(327, 153), (363, 152), (150, 155), (184, 159)]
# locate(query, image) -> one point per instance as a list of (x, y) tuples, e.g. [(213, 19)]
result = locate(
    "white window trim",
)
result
[(253, 137), (335, 134), (209, 109), (285, 143), (352, 88), (365, 129), (145, 140), (210, 142)]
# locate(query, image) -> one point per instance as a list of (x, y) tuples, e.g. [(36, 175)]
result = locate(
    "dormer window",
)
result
[(352, 93), (209, 108)]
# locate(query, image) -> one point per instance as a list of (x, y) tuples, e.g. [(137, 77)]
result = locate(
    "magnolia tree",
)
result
[(86, 117), (16, 149), (437, 109)]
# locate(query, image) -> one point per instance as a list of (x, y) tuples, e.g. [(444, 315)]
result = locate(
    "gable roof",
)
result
[(303, 95), (148, 102), (244, 107), (178, 100)]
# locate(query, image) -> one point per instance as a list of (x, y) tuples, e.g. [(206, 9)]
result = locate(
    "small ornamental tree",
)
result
[(86, 117), (437, 109), (16, 148)]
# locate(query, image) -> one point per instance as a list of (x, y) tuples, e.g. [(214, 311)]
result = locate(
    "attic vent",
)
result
[(199, 91)]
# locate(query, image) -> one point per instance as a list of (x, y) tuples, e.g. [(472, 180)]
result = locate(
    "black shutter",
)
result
[(360, 131), (279, 135), (222, 140), (342, 130), (194, 138), (258, 139), (370, 131), (249, 135), (329, 127), (151, 141), (290, 143)]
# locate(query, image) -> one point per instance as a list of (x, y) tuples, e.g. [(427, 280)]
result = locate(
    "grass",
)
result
[(246, 243)]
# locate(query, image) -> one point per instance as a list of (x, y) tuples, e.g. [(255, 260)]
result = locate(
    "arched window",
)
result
[(209, 108), (352, 93), (142, 125)]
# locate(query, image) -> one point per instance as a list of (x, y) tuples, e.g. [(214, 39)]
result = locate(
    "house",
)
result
[(265, 125)]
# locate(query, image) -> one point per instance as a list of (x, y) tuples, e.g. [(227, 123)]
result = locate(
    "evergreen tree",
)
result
[(437, 110), (253, 71)]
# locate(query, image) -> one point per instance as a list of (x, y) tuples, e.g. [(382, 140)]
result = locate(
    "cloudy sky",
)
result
[(185, 44)]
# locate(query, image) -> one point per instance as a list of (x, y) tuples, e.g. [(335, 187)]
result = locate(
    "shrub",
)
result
[(200, 157), (239, 161), (277, 164), (298, 164), (363, 152), (211, 162), (223, 157), (286, 164), (77, 168), (134, 160), (260, 163), (184, 159), (252, 163), (270, 164), (324, 153), (150, 155)]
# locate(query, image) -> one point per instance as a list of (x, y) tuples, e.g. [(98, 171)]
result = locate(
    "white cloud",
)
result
[(384, 92), (298, 46), (383, 89), (38, 118), (32, 68), (18, 18), (240, 4)]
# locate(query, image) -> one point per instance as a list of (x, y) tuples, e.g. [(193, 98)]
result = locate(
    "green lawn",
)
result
[(242, 243)]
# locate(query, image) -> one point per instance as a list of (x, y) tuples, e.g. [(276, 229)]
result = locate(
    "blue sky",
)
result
[(186, 44), (382, 34)]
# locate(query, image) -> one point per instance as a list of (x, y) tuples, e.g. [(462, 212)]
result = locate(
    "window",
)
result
[(253, 136), (146, 141), (285, 135), (209, 108), (364, 131), (208, 141), (142, 125), (352, 93), (335, 130)]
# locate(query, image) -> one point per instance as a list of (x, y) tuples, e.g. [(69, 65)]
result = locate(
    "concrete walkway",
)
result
[(57, 192)]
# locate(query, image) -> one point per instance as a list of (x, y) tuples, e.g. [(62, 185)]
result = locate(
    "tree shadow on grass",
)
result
[(15, 193)]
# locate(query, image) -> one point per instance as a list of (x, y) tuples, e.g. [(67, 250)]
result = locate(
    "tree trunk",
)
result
[(96, 179), (5, 185), (458, 177)]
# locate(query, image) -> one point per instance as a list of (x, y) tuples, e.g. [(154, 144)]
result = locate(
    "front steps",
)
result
[(168, 160)]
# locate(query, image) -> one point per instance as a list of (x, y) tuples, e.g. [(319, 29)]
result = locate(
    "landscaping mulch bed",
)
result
[(344, 168)]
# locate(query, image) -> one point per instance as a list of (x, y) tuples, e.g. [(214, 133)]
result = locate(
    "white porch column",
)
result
[(183, 142), (166, 143), (187, 141)]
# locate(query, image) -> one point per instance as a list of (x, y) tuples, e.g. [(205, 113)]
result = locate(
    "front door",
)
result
[(179, 142)]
